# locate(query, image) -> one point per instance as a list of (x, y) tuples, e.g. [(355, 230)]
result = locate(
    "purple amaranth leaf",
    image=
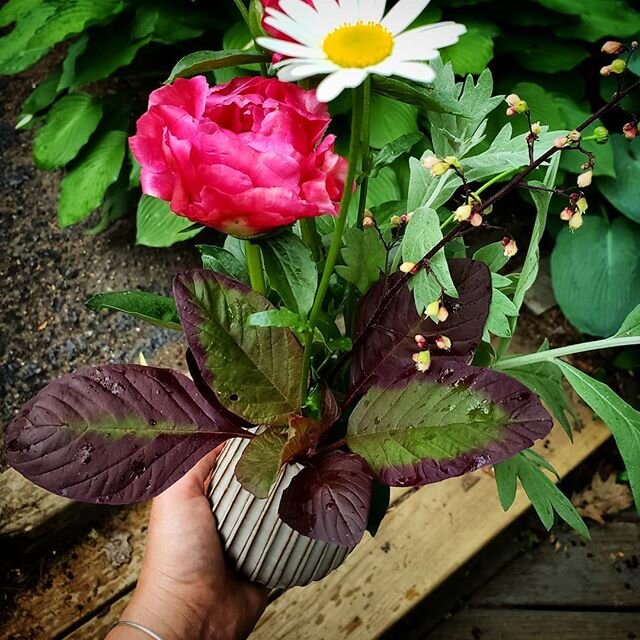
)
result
[(387, 350), (254, 372), (329, 500), (115, 434), (419, 428)]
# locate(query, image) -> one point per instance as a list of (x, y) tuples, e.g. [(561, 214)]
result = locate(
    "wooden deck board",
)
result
[(497, 624)]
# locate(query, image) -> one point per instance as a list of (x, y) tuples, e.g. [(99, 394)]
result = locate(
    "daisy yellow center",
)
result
[(358, 45)]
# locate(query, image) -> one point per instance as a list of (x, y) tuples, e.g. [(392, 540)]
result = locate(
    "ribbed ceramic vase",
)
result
[(260, 545)]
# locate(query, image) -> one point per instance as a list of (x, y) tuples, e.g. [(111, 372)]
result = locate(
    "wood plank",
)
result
[(76, 584), (434, 532), (98, 627), (501, 624), (601, 573)]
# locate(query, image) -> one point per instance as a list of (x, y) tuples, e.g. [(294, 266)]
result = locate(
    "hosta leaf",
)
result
[(364, 258), (223, 261), (40, 98), (115, 434), (150, 307), (473, 52), (390, 344), (596, 294), (292, 271), (329, 499), (421, 428), (393, 150), (83, 189), (69, 125), (204, 61), (620, 417), (157, 226), (623, 191), (545, 497), (254, 371), (260, 462), (631, 326), (391, 119)]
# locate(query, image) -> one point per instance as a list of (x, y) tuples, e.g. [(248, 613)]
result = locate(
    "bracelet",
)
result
[(139, 627)]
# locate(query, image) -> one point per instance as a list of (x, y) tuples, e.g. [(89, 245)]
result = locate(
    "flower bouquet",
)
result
[(340, 344)]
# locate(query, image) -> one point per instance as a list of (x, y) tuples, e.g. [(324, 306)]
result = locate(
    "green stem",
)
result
[(311, 238), (245, 16), (336, 243), (447, 222), (254, 265), (366, 148), (498, 178), (545, 356)]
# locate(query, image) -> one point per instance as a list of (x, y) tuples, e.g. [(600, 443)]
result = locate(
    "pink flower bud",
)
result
[(443, 343), (512, 99), (585, 179), (575, 136), (510, 247), (630, 130), (429, 162), (368, 222), (613, 48), (476, 219), (511, 112), (443, 314), (576, 221), (605, 71), (566, 214), (421, 341), (536, 128), (422, 360), (561, 142)]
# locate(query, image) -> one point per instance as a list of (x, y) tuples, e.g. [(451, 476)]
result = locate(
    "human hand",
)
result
[(185, 591)]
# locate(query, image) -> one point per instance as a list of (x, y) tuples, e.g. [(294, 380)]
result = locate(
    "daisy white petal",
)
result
[(290, 27), (440, 35), (299, 11), (296, 72), (373, 10), (417, 71), (403, 14), (290, 48), (333, 85), (413, 46)]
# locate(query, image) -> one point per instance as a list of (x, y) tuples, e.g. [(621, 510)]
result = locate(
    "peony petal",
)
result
[(188, 94), (403, 14)]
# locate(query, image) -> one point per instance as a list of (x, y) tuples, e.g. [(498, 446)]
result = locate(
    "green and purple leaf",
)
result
[(260, 463), (254, 371), (329, 499), (387, 350), (419, 428), (115, 434)]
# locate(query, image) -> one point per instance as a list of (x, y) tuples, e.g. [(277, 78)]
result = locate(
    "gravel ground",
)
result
[(47, 274)]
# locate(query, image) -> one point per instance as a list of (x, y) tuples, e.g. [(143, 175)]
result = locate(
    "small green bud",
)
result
[(601, 134)]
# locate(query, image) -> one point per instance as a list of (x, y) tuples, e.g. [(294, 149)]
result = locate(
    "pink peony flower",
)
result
[(245, 158)]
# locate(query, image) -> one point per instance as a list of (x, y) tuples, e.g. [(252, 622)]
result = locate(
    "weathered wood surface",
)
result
[(421, 542), (98, 627), (498, 624), (603, 573), (77, 584)]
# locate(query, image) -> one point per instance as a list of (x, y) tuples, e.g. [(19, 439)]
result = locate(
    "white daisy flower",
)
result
[(351, 39)]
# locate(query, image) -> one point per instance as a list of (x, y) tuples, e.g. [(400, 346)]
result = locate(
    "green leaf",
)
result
[(423, 234), (364, 258), (292, 270), (492, 255), (623, 192), (205, 61), (41, 97), (425, 98), (83, 189), (473, 52), (532, 260), (501, 309), (150, 307), (544, 379), (278, 318), (14, 10), (544, 53), (223, 261), (631, 326), (259, 466), (254, 371), (395, 149), (595, 274), (545, 497), (391, 119), (157, 226), (118, 203), (621, 418), (68, 127)]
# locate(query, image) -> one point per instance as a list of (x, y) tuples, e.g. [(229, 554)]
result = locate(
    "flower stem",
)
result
[(245, 16), (366, 147), (336, 243), (310, 237), (498, 178), (254, 265)]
